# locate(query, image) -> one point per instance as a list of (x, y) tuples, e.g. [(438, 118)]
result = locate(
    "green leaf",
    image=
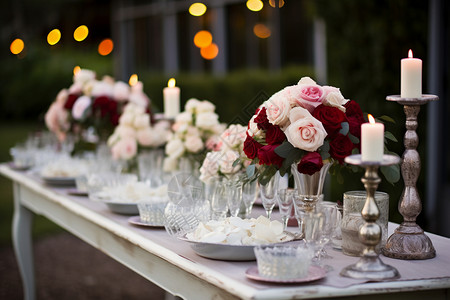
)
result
[(345, 128), (284, 149), (267, 174), (236, 162), (293, 156), (355, 151), (250, 170), (391, 173), (387, 119), (390, 136), (353, 138)]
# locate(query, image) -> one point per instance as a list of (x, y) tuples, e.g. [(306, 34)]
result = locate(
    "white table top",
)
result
[(226, 275)]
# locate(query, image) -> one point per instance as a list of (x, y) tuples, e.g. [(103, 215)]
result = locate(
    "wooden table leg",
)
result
[(22, 242)]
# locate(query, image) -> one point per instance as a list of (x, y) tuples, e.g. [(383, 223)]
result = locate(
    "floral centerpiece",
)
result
[(135, 131), (90, 108), (303, 127), (194, 132), (228, 157)]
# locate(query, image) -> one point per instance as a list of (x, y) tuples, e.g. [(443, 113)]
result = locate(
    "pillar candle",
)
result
[(411, 77), (372, 141), (171, 99)]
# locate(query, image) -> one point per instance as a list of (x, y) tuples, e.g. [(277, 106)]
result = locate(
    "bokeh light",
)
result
[(276, 3), (76, 69), (133, 80), (261, 31), (203, 39), (17, 46), (210, 52), (53, 37), (105, 47), (255, 5), (81, 33), (197, 9)]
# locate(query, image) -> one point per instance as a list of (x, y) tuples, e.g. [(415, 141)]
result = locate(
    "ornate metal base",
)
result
[(371, 268), (409, 242)]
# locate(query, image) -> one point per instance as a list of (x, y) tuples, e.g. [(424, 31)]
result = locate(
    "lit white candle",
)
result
[(411, 77), (171, 99), (372, 140)]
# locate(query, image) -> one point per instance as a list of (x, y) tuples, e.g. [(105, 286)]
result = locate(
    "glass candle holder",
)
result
[(352, 221)]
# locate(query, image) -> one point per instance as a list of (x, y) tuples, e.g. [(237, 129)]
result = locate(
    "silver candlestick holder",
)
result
[(409, 240), (370, 265)]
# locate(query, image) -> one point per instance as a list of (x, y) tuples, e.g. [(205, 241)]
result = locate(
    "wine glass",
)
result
[(268, 194), (234, 197), (285, 199), (219, 200), (329, 212), (249, 195)]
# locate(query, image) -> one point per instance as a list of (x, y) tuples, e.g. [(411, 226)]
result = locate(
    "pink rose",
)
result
[(80, 106), (145, 136), (125, 131), (125, 148), (277, 108), (210, 166), (214, 143), (193, 144), (226, 161), (234, 136), (305, 132), (56, 119), (306, 96)]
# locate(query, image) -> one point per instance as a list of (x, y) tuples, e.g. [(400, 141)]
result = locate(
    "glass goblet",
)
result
[(285, 199), (329, 212), (249, 195), (268, 194)]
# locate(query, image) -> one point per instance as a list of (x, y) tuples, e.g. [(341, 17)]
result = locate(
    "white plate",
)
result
[(314, 273), (136, 220), (225, 251), (123, 208), (59, 181)]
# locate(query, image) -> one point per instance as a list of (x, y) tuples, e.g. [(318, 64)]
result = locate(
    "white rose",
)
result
[(114, 138), (125, 149), (139, 99), (145, 136), (305, 131), (175, 148), (125, 131), (80, 106), (127, 119), (210, 166), (193, 143), (142, 121), (233, 136), (83, 76), (191, 105), (205, 106), (226, 162), (76, 88), (121, 91), (334, 98), (306, 80), (277, 109), (253, 130), (192, 131), (102, 88), (206, 120), (184, 117), (170, 164)]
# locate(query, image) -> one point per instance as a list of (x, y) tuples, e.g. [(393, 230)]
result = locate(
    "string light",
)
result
[(17, 46), (255, 5), (81, 33), (105, 47), (203, 39), (53, 37), (209, 52)]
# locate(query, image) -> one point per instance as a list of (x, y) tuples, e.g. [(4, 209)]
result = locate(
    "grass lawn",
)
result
[(11, 134)]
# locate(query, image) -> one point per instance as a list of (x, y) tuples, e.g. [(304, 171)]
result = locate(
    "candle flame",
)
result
[(171, 82), (76, 69), (371, 119), (410, 54), (133, 80)]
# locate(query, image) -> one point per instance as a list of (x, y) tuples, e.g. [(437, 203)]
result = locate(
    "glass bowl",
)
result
[(283, 262), (151, 210)]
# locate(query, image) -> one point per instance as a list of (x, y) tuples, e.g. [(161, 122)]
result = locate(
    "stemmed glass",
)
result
[(234, 197), (269, 193), (219, 200), (249, 195), (285, 199), (330, 214)]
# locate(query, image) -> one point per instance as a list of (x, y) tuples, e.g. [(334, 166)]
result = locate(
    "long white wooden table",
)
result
[(175, 267)]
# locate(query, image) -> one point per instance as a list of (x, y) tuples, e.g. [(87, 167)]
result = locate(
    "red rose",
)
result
[(267, 156), (330, 117), (261, 119), (355, 118), (71, 101), (274, 135), (341, 147), (311, 163), (251, 147)]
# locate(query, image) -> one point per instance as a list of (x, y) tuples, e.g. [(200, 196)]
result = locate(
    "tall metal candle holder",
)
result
[(370, 265), (409, 240)]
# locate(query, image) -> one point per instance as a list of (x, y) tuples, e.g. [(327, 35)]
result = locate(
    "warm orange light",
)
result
[(261, 31), (105, 47), (371, 119), (255, 5), (171, 82), (276, 3), (209, 52), (133, 80), (53, 37), (203, 39), (410, 54), (197, 9), (81, 33), (76, 69), (17, 46)]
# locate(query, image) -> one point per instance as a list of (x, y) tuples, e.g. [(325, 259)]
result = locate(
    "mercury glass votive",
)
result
[(283, 262)]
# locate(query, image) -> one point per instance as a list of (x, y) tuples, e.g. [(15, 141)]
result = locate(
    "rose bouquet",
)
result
[(135, 131), (228, 157), (90, 108), (194, 132), (306, 125)]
